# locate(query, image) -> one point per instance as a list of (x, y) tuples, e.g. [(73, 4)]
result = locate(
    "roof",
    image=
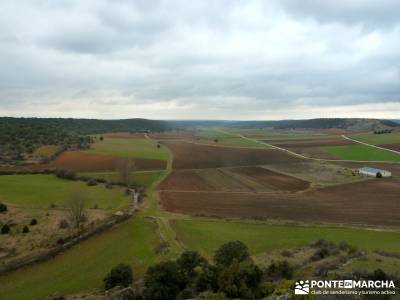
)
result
[(372, 170)]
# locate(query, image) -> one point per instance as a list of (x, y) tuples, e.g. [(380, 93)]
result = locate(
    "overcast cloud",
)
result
[(206, 59)]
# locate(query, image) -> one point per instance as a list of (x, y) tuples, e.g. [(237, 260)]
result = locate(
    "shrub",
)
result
[(65, 174), (280, 270), (5, 229), (33, 222), (320, 254), (63, 224), (91, 182), (3, 208), (120, 275), (25, 229), (109, 185), (286, 253)]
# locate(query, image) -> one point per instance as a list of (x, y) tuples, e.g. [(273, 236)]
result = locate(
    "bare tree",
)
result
[(125, 169), (76, 206)]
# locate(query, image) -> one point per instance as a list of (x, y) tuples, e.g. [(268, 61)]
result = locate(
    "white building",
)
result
[(374, 172)]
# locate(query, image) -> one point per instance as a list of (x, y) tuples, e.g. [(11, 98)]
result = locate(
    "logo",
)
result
[(302, 287)]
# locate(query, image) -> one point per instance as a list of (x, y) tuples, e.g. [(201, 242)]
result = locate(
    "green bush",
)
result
[(3, 208), (121, 275), (5, 229)]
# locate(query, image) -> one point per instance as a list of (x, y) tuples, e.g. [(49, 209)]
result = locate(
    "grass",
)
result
[(41, 191), (46, 151), (377, 139), (361, 152), (135, 148), (84, 266), (206, 236), (145, 178)]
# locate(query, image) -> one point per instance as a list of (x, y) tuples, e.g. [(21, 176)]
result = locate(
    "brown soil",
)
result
[(372, 202), (185, 180), (85, 162), (311, 143), (124, 135), (395, 147), (194, 156), (273, 180)]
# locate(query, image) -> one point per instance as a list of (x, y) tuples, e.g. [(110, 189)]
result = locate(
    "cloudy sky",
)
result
[(208, 59)]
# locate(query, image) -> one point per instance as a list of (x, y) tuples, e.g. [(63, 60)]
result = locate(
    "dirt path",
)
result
[(366, 144)]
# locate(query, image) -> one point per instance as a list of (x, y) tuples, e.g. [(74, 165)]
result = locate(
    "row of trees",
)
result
[(232, 274)]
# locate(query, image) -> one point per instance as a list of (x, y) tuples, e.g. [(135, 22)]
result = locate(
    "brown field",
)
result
[(273, 180), (172, 135), (127, 135), (85, 162), (395, 147), (311, 143), (233, 179), (185, 180), (194, 156), (372, 202)]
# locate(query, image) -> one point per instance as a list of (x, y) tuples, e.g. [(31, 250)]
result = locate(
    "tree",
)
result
[(76, 208), (188, 261), (207, 280), (240, 280), (125, 169), (163, 281), (5, 229), (225, 255), (25, 229), (3, 208), (33, 222), (121, 275)]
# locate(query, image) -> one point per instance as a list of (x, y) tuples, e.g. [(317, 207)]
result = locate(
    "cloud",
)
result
[(209, 59)]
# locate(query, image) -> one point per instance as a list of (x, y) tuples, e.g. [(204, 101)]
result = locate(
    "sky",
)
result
[(209, 59)]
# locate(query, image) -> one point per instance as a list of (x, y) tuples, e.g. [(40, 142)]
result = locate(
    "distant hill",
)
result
[(340, 123)]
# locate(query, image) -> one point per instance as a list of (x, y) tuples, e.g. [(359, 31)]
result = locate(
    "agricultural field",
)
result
[(45, 151), (83, 267), (44, 191), (356, 203), (362, 152), (378, 139), (214, 157), (218, 136), (207, 235), (133, 148)]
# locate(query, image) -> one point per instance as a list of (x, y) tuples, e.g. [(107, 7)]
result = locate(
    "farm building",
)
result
[(374, 172)]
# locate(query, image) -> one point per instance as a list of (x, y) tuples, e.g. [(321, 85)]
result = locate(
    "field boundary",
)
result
[(370, 145)]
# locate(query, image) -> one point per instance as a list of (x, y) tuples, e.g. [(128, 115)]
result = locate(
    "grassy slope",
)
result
[(361, 152), (84, 266), (46, 151), (206, 236), (376, 139), (136, 148), (40, 191), (145, 178)]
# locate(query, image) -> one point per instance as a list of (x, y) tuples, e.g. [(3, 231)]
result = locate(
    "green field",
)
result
[(377, 139), (227, 138), (135, 148), (41, 191), (206, 236), (84, 266), (145, 178), (361, 152), (45, 151)]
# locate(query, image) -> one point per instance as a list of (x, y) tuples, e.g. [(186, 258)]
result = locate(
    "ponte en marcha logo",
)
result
[(353, 287)]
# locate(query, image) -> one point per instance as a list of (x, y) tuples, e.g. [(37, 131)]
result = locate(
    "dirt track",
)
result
[(373, 202), (192, 156)]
